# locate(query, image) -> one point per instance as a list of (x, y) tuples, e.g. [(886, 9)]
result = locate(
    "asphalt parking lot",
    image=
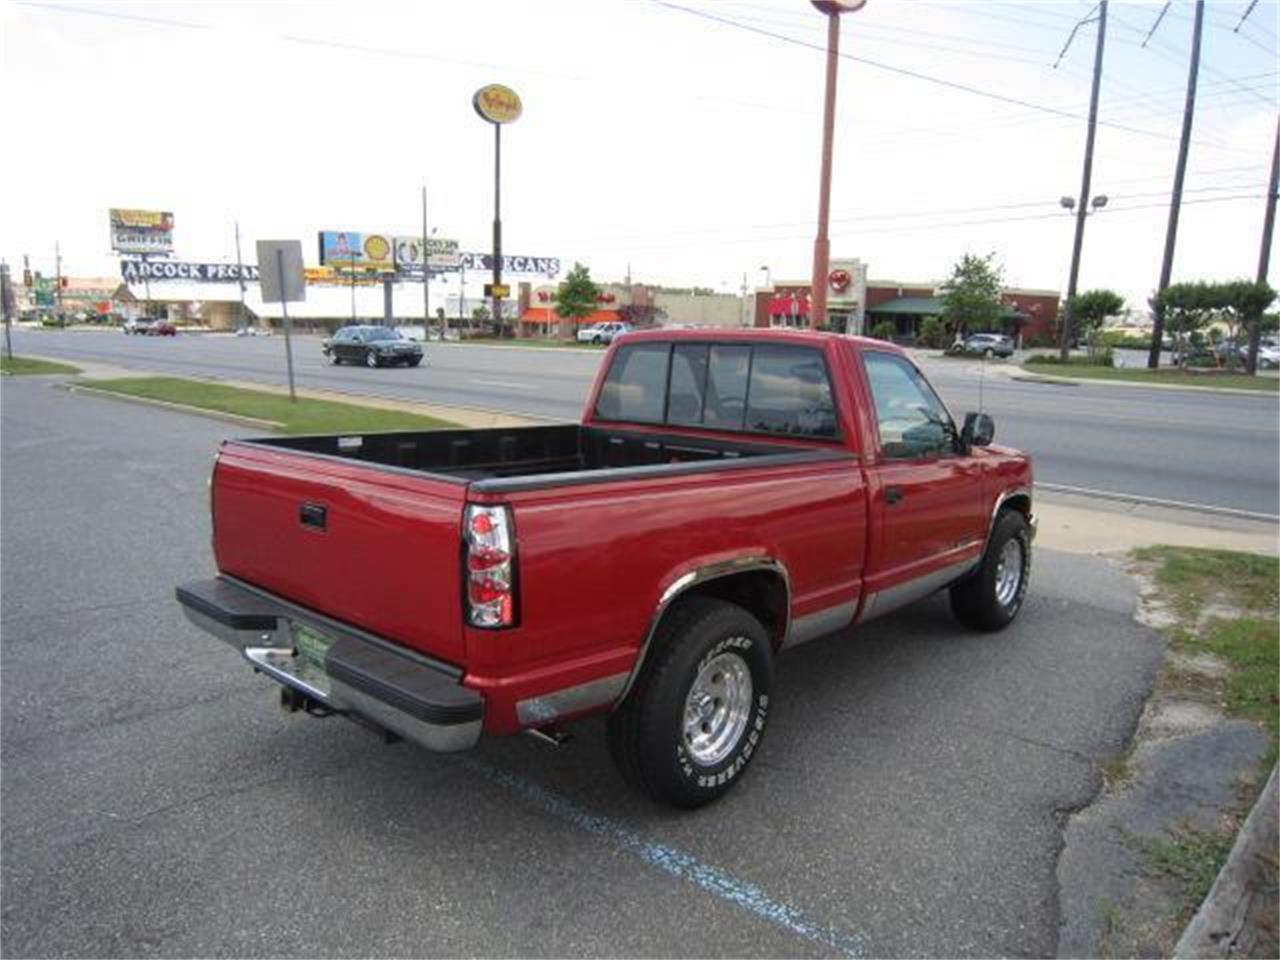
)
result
[(908, 800)]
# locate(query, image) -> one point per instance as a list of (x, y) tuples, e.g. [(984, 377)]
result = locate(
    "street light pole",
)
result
[(821, 243)]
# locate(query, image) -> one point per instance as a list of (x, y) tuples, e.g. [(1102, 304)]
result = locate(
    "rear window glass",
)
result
[(688, 384), (636, 386), (726, 403), (790, 393)]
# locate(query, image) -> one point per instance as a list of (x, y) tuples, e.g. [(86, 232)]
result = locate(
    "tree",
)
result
[(1189, 308), (577, 296), (1090, 310), (971, 295), (933, 332)]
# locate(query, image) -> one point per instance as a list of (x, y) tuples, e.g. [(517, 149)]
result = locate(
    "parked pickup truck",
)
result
[(727, 495)]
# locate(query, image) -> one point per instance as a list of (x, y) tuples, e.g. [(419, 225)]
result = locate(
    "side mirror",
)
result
[(978, 430)]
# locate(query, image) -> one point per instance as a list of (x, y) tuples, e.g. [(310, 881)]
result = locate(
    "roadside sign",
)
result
[(499, 290), (280, 271)]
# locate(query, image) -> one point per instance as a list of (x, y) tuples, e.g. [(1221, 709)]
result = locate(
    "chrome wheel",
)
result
[(717, 708), (370, 359), (1009, 572)]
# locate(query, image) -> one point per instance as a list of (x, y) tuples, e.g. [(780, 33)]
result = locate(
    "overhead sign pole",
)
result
[(282, 280), (497, 105), (822, 244)]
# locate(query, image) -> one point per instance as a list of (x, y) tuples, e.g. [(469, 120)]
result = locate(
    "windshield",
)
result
[(382, 333)]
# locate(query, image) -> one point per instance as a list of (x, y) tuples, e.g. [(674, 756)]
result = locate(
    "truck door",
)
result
[(926, 492)]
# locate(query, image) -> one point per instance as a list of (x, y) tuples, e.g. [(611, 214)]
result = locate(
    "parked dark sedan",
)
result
[(372, 346)]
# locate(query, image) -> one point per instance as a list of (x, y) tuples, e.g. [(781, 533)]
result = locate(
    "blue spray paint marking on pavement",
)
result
[(678, 864)]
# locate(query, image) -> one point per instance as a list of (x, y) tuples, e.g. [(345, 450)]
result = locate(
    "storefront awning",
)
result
[(789, 306)]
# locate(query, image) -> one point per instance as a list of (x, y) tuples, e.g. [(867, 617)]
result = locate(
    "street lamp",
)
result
[(821, 244)]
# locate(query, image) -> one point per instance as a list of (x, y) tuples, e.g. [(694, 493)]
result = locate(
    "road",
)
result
[(907, 801), (1193, 447)]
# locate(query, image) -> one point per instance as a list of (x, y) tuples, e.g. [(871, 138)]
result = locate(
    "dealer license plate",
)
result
[(308, 663)]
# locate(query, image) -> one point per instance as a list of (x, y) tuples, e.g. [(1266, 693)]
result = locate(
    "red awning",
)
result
[(789, 305), (549, 315)]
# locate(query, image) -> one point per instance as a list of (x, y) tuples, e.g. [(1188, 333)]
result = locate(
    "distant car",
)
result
[(372, 346), (161, 328), (1269, 357), (137, 325), (603, 332), (984, 345)]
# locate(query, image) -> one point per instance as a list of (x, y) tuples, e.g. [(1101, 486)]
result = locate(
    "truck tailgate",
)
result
[(371, 546)]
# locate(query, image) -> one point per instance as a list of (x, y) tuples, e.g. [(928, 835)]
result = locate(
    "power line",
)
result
[(914, 74)]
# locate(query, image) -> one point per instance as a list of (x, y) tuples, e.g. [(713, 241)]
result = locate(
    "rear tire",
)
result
[(991, 597), (696, 715)]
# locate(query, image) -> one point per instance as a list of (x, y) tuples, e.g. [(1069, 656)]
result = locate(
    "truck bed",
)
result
[(497, 460)]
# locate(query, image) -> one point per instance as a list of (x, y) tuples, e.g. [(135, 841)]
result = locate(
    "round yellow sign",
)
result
[(497, 104)]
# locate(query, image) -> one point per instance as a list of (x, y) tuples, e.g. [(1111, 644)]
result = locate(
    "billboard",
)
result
[(444, 254), (359, 251), (135, 271), (141, 231)]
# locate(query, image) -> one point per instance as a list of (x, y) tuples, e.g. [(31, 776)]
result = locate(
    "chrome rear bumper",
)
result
[(354, 672)]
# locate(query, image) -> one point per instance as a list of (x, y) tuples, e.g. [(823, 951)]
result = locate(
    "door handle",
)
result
[(892, 495)]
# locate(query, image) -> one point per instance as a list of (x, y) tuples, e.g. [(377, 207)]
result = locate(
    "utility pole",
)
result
[(57, 256), (1082, 208), (1171, 232), (240, 277), (7, 300), (353, 287), (1264, 256)]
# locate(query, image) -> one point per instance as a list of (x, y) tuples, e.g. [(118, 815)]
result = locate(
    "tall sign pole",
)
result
[(1180, 173), (1082, 208), (497, 105), (821, 244), (240, 276), (426, 275), (57, 253), (281, 277), (7, 301)]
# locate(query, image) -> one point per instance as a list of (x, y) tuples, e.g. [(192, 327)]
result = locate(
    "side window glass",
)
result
[(635, 388), (688, 382), (790, 393), (912, 421), (726, 393)]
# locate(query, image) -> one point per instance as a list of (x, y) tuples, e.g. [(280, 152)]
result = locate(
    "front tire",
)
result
[(334, 359), (696, 715), (991, 597), (370, 359), (988, 353), (414, 362)]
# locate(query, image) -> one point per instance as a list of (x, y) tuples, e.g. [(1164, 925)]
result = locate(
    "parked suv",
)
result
[(603, 332), (984, 345)]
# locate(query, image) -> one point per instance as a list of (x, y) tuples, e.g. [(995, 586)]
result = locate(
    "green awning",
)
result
[(928, 307)]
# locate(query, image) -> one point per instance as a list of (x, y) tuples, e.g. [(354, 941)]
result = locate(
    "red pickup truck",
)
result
[(727, 495)]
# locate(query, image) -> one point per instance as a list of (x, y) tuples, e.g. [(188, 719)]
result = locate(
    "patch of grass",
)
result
[(19, 366), (1195, 576), (1189, 858), (304, 416), (1195, 581), (1179, 378)]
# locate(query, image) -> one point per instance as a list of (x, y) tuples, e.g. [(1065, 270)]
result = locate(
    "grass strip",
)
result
[(1228, 605), (1177, 378), (303, 416), (20, 366)]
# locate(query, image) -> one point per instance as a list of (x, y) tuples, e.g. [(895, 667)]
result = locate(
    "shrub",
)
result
[(884, 330), (1103, 358), (933, 332)]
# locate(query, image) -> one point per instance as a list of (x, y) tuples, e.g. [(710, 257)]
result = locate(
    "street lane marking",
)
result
[(1157, 502), (675, 862), (505, 383)]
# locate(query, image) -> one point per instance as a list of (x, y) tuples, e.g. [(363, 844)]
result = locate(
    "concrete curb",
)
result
[(1032, 376), (257, 424), (1216, 928)]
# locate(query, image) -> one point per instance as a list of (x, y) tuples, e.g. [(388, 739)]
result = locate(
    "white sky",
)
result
[(684, 146)]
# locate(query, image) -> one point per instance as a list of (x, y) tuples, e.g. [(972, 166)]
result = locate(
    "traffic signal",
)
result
[(26, 278), (62, 282)]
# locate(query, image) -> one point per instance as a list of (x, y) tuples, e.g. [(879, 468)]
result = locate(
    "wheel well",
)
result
[(1020, 502), (761, 593)]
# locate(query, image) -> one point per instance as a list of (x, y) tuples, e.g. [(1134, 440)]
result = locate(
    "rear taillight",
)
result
[(489, 565)]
